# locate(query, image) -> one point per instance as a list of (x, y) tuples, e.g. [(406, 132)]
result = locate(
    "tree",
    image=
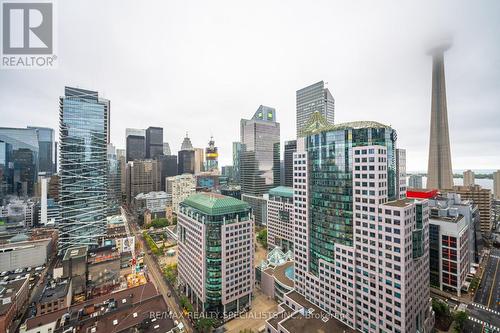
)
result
[(170, 272), (262, 238), (440, 308), (185, 305), (159, 223), (460, 319), (204, 325), (443, 317)]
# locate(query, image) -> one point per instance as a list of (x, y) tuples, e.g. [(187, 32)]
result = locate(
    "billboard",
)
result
[(128, 244)]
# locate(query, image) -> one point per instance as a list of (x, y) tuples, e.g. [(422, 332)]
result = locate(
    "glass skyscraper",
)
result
[(259, 160), (83, 137), (290, 148), (186, 157), (136, 147), (45, 149), (259, 156), (236, 161), (20, 150), (114, 182), (314, 98), (154, 142)]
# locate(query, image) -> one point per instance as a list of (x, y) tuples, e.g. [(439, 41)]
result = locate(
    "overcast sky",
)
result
[(201, 66)]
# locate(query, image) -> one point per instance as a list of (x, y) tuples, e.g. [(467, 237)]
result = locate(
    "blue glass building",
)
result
[(83, 136), (20, 161), (46, 149)]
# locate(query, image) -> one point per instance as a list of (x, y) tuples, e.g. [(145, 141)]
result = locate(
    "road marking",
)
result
[(479, 321), (493, 284), (484, 307)]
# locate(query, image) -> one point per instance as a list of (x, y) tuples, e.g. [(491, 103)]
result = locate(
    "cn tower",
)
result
[(439, 171)]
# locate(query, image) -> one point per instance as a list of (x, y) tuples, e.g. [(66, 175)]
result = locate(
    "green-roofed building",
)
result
[(216, 252), (279, 218)]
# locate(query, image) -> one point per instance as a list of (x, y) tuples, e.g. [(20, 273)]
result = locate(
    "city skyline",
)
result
[(231, 88), (249, 166)]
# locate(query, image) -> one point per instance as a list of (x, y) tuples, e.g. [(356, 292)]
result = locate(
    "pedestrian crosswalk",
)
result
[(484, 307), (486, 325)]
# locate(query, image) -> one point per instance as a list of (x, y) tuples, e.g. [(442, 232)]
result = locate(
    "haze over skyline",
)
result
[(201, 67)]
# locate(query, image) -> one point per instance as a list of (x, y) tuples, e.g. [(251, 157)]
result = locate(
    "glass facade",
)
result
[(213, 246), (45, 150), (330, 185), (290, 148), (311, 99), (154, 142), (84, 124), (5, 170), (114, 182), (21, 150), (259, 157), (236, 161), (136, 148), (186, 162), (168, 165), (434, 255)]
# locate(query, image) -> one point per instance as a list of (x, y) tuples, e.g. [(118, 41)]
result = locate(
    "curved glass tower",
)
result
[(83, 137)]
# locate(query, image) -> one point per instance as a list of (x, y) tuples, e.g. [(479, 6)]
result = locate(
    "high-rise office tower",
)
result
[(259, 158), (401, 172), (259, 136), (83, 137), (168, 166), (415, 181), (20, 154), (469, 178), (361, 254), (199, 160), (121, 156), (180, 187), (496, 184), (211, 156), (154, 142), (136, 147), (114, 181), (481, 197), (5, 170), (186, 162), (290, 148), (280, 218), (311, 99), (45, 149), (186, 157), (166, 149), (236, 161), (216, 253), (135, 131), (439, 171), (143, 176)]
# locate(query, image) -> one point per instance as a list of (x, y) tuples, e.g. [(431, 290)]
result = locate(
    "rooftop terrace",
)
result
[(215, 204)]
